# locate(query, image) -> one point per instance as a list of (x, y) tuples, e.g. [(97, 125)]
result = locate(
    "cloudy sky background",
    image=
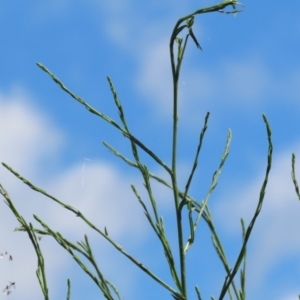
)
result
[(249, 65)]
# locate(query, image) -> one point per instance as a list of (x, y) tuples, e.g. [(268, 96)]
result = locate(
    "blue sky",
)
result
[(249, 65)]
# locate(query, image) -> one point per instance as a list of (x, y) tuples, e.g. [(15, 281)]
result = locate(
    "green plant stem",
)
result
[(69, 289), (40, 272), (174, 180), (241, 255), (90, 224), (105, 118), (180, 199), (158, 226), (175, 75), (294, 176)]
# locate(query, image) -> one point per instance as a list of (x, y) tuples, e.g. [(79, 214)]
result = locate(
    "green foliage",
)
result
[(182, 199)]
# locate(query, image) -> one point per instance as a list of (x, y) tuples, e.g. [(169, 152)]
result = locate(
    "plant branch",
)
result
[(105, 117), (90, 224), (40, 272), (241, 255), (294, 176)]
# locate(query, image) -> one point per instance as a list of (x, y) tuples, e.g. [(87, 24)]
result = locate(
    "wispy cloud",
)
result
[(23, 131), (154, 80)]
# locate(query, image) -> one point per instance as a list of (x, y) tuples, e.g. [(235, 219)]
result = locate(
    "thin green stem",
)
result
[(241, 255), (243, 271), (105, 117), (89, 223), (294, 176), (69, 289), (40, 272), (174, 175), (175, 76), (159, 226)]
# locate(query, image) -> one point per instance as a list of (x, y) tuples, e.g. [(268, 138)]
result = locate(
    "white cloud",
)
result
[(118, 21), (154, 80), (23, 127), (245, 81)]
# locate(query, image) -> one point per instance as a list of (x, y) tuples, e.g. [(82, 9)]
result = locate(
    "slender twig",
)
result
[(294, 176), (159, 227), (175, 67), (84, 250), (198, 293), (180, 198), (69, 247), (89, 223), (243, 271), (105, 117), (212, 186), (241, 255), (195, 164), (40, 272), (159, 230), (69, 289)]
